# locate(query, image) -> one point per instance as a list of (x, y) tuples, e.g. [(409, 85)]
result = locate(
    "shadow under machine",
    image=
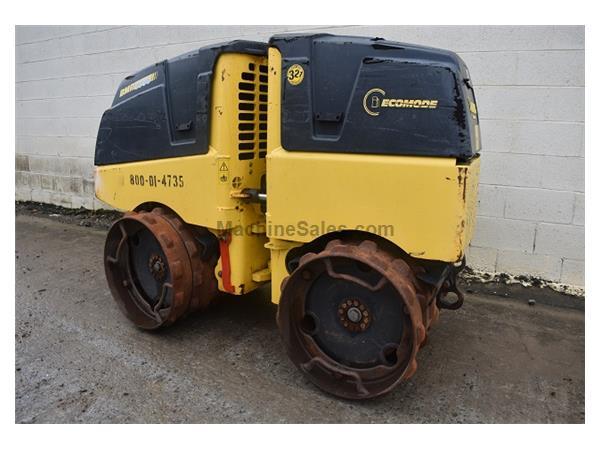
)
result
[(342, 170)]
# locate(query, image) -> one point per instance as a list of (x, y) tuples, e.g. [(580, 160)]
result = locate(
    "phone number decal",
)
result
[(175, 181)]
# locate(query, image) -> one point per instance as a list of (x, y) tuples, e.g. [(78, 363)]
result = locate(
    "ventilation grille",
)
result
[(252, 113)]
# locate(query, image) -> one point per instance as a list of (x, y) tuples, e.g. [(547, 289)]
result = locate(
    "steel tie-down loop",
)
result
[(163, 294), (115, 259), (333, 274), (449, 285), (360, 388)]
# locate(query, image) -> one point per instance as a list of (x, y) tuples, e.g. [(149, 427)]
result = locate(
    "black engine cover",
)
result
[(163, 110), (368, 95)]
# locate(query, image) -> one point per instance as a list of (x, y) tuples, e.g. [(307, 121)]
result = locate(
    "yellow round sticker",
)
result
[(295, 74)]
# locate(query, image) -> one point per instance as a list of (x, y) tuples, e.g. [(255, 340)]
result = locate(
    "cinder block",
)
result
[(531, 103), (511, 169), (42, 69), (128, 60), (39, 126), (168, 51), (62, 146), (100, 85), (88, 186), (82, 126), (46, 182), (22, 162), (61, 184), (37, 51), (41, 196), (565, 241), (25, 34), (35, 181), (491, 200), (537, 68), (68, 185), (566, 173), (481, 258), (573, 272), (73, 86), (123, 38), (41, 157), (152, 35), (22, 194), (61, 199), (525, 263), (37, 108), (534, 137), (75, 146), (36, 33), (505, 234), (78, 107), (22, 179), (44, 89), (579, 211), (76, 185), (93, 40), (71, 46), (82, 202), (45, 164), (539, 205), (81, 167)]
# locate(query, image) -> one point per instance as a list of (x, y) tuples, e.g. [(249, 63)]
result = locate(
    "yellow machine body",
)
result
[(424, 205), (204, 189), (343, 170)]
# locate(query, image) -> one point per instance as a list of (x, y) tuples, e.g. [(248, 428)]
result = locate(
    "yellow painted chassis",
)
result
[(424, 205)]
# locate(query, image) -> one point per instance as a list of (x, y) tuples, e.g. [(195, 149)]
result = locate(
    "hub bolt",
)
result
[(354, 314)]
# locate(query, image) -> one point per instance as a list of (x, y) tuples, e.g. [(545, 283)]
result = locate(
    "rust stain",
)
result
[(191, 283), (462, 186), (462, 182), (334, 376)]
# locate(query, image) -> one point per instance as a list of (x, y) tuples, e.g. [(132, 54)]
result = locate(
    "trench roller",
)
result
[(341, 170)]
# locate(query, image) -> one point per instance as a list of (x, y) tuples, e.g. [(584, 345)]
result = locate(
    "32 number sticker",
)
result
[(295, 74)]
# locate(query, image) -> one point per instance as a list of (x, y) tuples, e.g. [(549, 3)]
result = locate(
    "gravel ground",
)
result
[(79, 360), (101, 219)]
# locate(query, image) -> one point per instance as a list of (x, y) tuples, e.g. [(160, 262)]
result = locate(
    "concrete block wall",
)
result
[(529, 83)]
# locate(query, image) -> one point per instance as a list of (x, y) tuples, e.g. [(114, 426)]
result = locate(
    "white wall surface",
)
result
[(529, 83)]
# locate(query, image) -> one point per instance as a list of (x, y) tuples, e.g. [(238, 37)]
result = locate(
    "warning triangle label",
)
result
[(223, 167)]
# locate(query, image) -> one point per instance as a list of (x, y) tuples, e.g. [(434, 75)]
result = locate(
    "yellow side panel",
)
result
[(190, 187), (202, 188), (424, 205)]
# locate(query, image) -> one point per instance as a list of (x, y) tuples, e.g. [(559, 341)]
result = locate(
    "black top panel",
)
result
[(163, 110), (369, 95)]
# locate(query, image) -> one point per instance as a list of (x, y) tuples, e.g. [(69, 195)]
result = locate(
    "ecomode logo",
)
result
[(375, 99)]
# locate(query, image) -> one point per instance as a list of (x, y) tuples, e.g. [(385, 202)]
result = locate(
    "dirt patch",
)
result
[(101, 219)]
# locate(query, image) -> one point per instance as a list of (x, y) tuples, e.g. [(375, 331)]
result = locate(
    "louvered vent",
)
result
[(252, 113)]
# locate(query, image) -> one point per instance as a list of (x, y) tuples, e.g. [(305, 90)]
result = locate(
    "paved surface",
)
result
[(79, 360)]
